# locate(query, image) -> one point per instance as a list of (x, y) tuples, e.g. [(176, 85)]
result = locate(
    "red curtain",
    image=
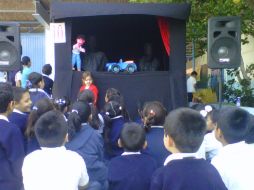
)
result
[(164, 30)]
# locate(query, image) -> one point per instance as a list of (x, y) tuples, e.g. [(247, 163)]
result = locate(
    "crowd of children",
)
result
[(55, 144)]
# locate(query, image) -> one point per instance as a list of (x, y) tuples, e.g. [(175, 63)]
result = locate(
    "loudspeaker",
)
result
[(10, 47), (224, 42)]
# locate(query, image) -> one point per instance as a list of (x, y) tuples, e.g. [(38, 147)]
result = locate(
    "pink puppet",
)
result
[(77, 48)]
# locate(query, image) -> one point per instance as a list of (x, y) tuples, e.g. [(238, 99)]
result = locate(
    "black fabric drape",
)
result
[(137, 88)]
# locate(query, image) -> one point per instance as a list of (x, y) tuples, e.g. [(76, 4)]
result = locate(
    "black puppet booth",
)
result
[(121, 31)]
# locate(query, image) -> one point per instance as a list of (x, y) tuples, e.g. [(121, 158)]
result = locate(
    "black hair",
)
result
[(187, 128), (80, 114), (6, 86), (42, 106), (206, 110), (153, 113), (51, 129), (111, 92), (194, 73), (113, 109), (34, 78), (25, 60), (215, 115), (6, 96), (18, 93), (88, 97), (233, 123), (47, 69), (61, 103), (132, 137), (249, 139)]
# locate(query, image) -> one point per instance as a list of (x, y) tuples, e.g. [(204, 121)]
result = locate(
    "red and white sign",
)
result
[(58, 32)]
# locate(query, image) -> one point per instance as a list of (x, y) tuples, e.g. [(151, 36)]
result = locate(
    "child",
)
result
[(233, 161), (113, 125), (47, 70), (88, 143), (26, 62), (210, 146), (53, 167), (11, 144), (96, 121), (22, 106), (35, 86), (191, 85), (184, 133), (153, 116), (40, 107), (62, 105), (76, 49), (131, 170), (110, 93), (113, 94), (87, 83)]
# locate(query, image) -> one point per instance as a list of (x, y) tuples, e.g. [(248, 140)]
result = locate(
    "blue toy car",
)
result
[(128, 66)]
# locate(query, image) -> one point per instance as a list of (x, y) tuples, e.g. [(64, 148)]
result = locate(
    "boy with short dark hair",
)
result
[(131, 170), (235, 160), (183, 135), (46, 71), (22, 106), (53, 167), (11, 144)]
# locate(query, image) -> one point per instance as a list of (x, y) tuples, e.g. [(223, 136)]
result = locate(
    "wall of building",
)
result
[(33, 45)]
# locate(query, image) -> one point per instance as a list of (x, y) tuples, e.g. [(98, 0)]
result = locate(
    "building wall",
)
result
[(33, 45)]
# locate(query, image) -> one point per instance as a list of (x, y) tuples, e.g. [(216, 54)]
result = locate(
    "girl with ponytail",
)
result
[(87, 142), (40, 107)]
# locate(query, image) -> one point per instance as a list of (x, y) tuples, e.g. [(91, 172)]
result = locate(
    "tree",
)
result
[(202, 10)]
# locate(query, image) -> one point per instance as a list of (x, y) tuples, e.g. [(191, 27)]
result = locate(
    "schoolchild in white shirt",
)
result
[(53, 167), (233, 161)]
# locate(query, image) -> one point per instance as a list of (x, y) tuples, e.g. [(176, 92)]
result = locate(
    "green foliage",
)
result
[(240, 88), (202, 10)]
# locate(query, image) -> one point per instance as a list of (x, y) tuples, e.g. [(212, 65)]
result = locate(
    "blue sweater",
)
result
[(89, 144), (19, 119), (155, 145), (48, 85), (187, 174), (36, 95), (131, 172), (11, 156), (115, 129), (31, 144)]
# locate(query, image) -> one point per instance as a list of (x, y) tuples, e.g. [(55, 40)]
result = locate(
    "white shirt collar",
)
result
[(38, 89), (17, 111), (117, 117), (157, 126), (54, 148), (178, 156), (3, 117), (130, 153)]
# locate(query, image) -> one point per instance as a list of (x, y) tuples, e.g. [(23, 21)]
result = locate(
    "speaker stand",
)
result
[(220, 88)]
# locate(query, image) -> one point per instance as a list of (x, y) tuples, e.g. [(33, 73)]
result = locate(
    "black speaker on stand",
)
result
[(10, 47), (224, 42), (224, 45)]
